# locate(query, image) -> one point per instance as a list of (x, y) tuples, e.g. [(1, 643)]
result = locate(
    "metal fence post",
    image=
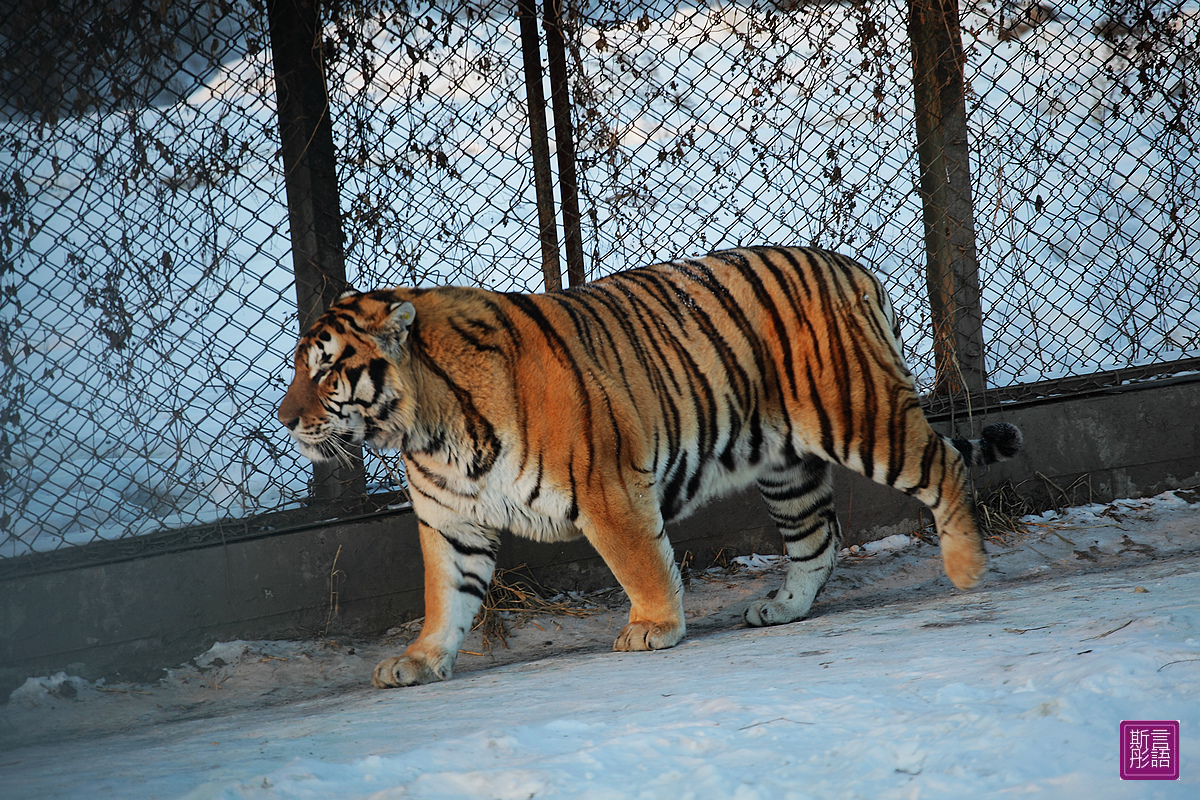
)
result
[(945, 189), (310, 178), (564, 141), (539, 144)]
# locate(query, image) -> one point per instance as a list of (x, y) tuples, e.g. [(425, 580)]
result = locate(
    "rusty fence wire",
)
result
[(145, 265)]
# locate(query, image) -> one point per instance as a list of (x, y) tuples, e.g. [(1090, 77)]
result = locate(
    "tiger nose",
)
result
[(292, 406)]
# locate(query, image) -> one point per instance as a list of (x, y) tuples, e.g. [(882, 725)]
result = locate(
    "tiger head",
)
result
[(349, 386)]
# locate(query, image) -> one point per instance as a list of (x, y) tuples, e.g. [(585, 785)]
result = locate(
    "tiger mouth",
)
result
[(333, 447)]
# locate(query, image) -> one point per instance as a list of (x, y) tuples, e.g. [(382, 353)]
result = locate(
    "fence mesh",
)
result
[(145, 264), (1085, 126), (147, 310)]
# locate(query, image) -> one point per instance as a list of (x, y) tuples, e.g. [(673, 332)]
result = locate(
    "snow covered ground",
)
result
[(898, 687)]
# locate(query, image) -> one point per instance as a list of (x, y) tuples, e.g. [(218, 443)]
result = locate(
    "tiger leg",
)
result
[(800, 499), (458, 569), (633, 543), (933, 471), (948, 497)]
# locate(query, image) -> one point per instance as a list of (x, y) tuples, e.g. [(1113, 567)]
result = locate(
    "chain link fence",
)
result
[(145, 262), (149, 310)]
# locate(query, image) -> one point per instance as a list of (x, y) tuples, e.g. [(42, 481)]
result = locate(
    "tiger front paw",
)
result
[(648, 636), (409, 671)]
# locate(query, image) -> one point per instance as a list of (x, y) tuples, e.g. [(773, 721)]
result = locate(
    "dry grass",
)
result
[(514, 599), (336, 576), (1077, 493), (718, 559), (1000, 514)]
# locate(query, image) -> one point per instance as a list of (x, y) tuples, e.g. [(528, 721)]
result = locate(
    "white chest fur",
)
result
[(507, 497)]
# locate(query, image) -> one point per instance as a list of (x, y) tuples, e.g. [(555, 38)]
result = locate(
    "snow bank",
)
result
[(35, 691)]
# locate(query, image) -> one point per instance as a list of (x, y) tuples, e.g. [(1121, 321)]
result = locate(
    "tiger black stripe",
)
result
[(419, 470), (814, 396), (654, 335), (377, 372), (559, 348), (822, 549), (348, 353), (587, 333), (728, 360), (870, 410), (672, 503), (473, 584), (603, 298), (703, 401), (575, 308), (485, 446), (703, 277), (642, 359), (666, 388), (797, 268), (780, 492), (415, 488), (573, 511), (726, 458), (468, 550), (839, 363), (474, 340), (768, 304), (537, 486)]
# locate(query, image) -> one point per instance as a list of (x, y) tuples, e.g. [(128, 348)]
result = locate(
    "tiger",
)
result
[(611, 409)]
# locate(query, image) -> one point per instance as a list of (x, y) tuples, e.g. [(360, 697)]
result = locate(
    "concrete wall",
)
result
[(132, 616)]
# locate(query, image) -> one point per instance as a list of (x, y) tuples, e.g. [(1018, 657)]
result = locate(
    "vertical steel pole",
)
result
[(945, 189), (539, 143), (564, 140), (310, 180)]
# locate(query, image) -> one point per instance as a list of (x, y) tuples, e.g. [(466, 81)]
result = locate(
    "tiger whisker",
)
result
[(342, 451)]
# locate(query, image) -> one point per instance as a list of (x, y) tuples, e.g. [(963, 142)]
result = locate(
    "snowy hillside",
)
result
[(148, 402)]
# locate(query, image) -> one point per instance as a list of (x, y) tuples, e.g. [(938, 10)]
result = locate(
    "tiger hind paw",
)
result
[(783, 609), (964, 561)]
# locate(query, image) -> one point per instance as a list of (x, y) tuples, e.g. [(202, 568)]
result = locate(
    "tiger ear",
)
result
[(393, 334), (401, 315)]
